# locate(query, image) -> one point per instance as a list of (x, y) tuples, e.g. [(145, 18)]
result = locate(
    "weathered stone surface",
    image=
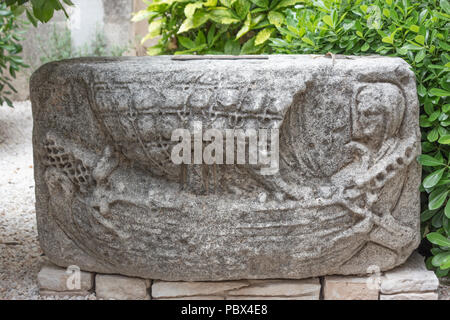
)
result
[(194, 298), (109, 198), (349, 288), (410, 296), (121, 288), (164, 289), (53, 278), (314, 297), (412, 276), (308, 289), (61, 294)]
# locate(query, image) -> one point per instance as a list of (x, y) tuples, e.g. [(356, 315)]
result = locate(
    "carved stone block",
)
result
[(344, 196)]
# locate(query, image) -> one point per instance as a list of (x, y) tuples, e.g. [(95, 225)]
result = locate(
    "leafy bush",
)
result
[(38, 10), (10, 48), (10, 36), (212, 26), (417, 31)]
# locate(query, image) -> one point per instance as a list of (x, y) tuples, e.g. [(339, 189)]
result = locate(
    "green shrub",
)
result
[(10, 36), (212, 26), (10, 48), (38, 10), (417, 31)]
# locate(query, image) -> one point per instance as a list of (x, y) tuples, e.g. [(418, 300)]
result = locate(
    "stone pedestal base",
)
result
[(411, 281)]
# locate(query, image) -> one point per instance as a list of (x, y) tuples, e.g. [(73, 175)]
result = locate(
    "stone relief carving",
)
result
[(109, 198)]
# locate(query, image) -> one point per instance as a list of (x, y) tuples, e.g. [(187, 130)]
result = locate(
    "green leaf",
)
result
[(438, 239), (420, 56), (440, 259), (445, 265), (439, 92), (246, 27), (186, 42), (308, 41), (223, 16), (187, 25), (242, 8), (441, 273), (434, 115), (387, 40), (193, 50), (432, 179), (263, 36), (447, 210), (420, 39), (328, 20), (200, 39), (427, 215), (288, 3), (31, 18), (445, 139), (190, 8), (429, 161), (249, 47), (154, 51), (436, 222), (142, 15), (154, 29), (445, 5), (232, 47), (227, 3), (437, 199), (414, 28), (411, 46), (433, 135), (211, 34), (43, 10), (276, 18), (365, 47), (261, 3)]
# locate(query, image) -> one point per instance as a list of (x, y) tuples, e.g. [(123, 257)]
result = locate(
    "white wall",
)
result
[(85, 18)]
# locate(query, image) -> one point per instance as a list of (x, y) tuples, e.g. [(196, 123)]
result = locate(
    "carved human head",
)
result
[(378, 113)]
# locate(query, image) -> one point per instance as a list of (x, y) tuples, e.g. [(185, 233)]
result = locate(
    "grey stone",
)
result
[(62, 294), (314, 297), (410, 296), (121, 288), (194, 298), (307, 289), (109, 199), (53, 278), (165, 289), (296, 289), (351, 288), (412, 276)]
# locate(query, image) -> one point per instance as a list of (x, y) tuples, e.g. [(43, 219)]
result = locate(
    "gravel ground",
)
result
[(20, 254)]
